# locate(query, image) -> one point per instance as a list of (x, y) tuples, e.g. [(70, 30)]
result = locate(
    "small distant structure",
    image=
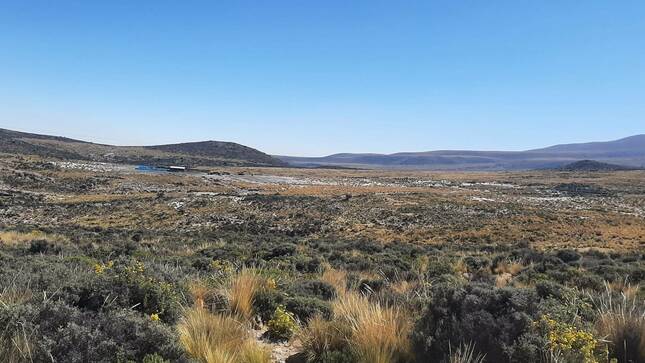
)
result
[(162, 169), (175, 168)]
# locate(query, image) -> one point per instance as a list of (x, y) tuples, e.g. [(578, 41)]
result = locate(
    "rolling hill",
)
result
[(628, 152), (206, 153), (592, 165)]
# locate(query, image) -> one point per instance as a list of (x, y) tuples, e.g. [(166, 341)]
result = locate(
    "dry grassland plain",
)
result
[(338, 260)]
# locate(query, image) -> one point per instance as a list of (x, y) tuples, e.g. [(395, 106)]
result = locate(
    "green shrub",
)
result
[(266, 302), (304, 308), (314, 288), (439, 267), (63, 333), (492, 319)]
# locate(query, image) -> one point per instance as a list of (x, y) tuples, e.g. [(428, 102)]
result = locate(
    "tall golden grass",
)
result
[(621, 320), (240, 290), (321, 336), (379, 334), (200, 293), (215, 338), (336, 278)]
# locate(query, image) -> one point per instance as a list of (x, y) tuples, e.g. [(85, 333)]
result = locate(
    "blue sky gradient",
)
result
[(314, 78)]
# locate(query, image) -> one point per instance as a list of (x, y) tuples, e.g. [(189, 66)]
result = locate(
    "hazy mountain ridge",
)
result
[(206, 153), (629, 151)]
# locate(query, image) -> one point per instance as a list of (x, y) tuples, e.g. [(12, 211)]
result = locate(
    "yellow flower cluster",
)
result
[(154, 317), (135, 268), (569, 340), (271, 284), (223, 267), (100, 268)]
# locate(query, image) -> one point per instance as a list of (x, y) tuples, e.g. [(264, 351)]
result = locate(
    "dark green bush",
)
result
[(266, 302), (44, 247), (66, 334), (568, 256), (493, 319), (439, 267), (314, 288), (304, 308)]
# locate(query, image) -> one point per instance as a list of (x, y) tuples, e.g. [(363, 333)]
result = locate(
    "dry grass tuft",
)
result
[(336, 278), (624, 287), (621, 320), (379, 334), (211, 338), (240, 290), (322, 336), (513, 267), (13, 238), (251, 352), (200, 293), (13, 295), (460, 266), (16, 348), (466, 353), (503, 280)]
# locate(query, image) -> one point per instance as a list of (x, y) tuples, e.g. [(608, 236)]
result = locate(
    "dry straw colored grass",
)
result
[(240, 290), (200, 293), (379, 334), (212, 338), (466, 353), (621, 320), (336, 278), (512, 267), (13, 295), (322, 336), (13, 238), (15, 348)]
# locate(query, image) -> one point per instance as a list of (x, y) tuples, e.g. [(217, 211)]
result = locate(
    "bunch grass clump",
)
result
[(335, 278), (16, 347), (621, 320), (240, 290), (322, 336), (217, 338), (378, 334), (466, 353)]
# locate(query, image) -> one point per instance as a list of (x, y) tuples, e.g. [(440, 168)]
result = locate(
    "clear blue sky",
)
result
[(314, 78)]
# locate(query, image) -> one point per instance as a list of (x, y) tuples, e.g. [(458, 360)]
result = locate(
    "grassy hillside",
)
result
[(208, 153)]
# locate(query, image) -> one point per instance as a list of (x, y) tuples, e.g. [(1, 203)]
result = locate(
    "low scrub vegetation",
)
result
[(203, 271)]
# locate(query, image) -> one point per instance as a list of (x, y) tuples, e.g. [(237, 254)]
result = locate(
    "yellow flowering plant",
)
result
[(100, 268), (569, 341)]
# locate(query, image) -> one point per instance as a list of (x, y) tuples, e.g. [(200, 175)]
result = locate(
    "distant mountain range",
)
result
[(629, 152), (205, 153)]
